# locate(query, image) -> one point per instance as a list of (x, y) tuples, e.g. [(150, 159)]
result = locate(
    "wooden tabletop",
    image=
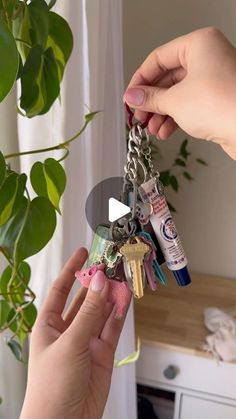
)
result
[(172, 317)]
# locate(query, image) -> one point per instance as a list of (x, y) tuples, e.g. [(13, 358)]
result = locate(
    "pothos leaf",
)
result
[(39, 22), (61, 45), (30, 314), (2, 168), (8, 193), (9, 60), (39, 82), (22, 320), (19, 283), (21, 30), (51, 4), (31, 100), (90, 116), (29, 229), (50, 84), (15, 348), (4, 311), (49, 180), (37, 229)]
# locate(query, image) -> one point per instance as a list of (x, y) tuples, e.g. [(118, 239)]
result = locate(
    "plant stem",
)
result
[(56, 147), (65, 155)]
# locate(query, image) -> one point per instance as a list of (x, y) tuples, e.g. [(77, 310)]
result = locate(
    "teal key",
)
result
[(156, 267)]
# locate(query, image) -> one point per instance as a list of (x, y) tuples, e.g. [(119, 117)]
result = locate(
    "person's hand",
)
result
[(189, 82), (71, 355)]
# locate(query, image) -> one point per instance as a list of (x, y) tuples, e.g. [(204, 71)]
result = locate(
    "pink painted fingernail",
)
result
[(134, 96), (98, 281)]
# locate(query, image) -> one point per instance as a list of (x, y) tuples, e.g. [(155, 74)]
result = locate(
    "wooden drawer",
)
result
[(194, 372)]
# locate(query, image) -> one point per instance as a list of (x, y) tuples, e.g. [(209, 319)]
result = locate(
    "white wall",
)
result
[(206, 217)]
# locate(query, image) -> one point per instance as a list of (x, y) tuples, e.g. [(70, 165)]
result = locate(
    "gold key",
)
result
[(134, 252)]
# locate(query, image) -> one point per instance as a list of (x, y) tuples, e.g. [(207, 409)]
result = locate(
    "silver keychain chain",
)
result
[(138, 169)]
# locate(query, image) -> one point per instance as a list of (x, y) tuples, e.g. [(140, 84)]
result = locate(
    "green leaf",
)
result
[(21, 30), (30, 314), (49, 180), (61, 45), (4, 311), (174, 183), (2, 168), (187, 176), (183, 149), (56, 181), (9, 60), (18, 285), (31, 99), (180, 162), (50, 83), (90, 116), (4, 280), (37, 229), (51, 4), (8, 194), (39, 82), (10, 230), (171, 207), (21, 183), (13, 324), (201, 161), (29, 229), (39, 22), (15, 348), (165, 177)]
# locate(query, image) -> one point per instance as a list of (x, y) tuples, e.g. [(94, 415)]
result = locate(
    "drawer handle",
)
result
[(170, 372)]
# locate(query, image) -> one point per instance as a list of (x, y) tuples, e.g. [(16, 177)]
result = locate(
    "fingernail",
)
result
[(134, 96), (98, 281)]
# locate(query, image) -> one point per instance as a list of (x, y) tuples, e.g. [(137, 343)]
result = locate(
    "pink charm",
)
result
[(85, 276), (119, 292)]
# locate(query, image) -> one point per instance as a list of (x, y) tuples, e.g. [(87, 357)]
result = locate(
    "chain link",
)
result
[(139, 150)]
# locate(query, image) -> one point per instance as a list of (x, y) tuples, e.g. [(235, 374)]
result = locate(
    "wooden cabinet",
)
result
[(170, 325), (195, 407)]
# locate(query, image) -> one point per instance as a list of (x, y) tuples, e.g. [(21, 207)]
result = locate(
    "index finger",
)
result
[(56, 299), (163, 59)]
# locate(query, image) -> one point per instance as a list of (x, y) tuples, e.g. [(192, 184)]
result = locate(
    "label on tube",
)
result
[(165, 230)]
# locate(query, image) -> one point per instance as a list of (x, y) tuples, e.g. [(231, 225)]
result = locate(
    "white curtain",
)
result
[(93, 81)]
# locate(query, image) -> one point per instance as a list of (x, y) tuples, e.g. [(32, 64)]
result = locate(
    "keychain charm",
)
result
[(130, 250)]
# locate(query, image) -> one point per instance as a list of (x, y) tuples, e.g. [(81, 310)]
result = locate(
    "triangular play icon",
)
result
[(116, 210)]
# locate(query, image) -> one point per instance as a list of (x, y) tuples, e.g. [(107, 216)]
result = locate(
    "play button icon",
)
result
[(116, 210), (99, 209)]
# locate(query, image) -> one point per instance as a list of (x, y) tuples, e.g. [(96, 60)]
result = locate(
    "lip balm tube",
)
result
[(165, 230)]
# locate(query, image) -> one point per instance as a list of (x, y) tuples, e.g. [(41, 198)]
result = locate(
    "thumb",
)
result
[(90, 318), (148, 98)]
